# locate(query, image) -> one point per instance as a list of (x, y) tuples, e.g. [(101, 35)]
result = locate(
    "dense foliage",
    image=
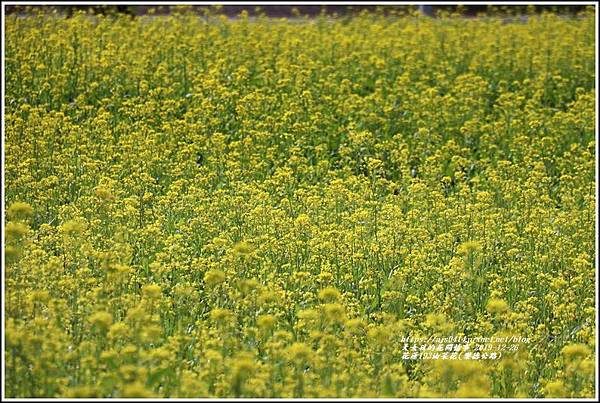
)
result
[(204, 206)]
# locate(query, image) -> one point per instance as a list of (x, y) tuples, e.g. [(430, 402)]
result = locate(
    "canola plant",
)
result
[(199, 206)]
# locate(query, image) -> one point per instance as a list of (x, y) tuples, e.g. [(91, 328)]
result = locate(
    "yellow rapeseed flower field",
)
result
[(199, 206)]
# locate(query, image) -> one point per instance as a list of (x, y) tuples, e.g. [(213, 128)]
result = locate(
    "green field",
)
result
[(199, 206)]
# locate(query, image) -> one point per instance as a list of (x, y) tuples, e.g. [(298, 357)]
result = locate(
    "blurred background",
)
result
[(299, 10)]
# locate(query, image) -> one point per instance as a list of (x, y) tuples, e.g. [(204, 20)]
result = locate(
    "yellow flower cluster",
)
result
[(200, 206)]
